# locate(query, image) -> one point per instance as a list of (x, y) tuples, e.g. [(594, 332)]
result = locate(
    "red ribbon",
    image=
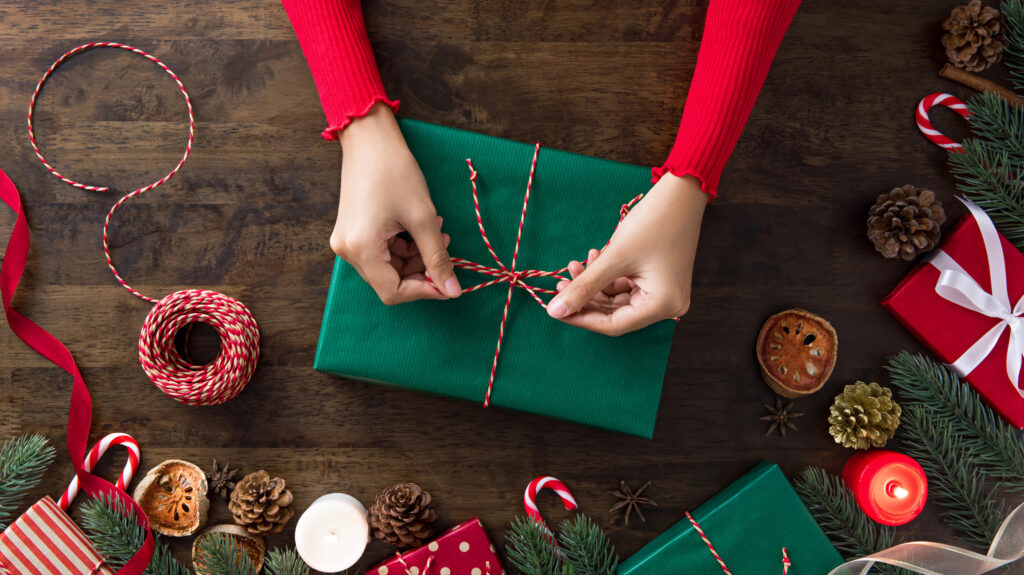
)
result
[(80, 412), (509, 274)]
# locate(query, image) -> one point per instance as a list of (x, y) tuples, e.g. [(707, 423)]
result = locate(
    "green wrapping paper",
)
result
[(447, 347), (748, 523)]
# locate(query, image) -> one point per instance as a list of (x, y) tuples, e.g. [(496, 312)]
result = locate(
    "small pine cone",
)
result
[(973, 39), (864, 415), (260, 504), (905, 222), (402, 515)]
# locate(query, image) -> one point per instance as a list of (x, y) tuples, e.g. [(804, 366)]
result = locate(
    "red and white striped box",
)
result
[(45, 541)]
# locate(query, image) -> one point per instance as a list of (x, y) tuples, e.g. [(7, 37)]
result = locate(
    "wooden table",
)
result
[(251, 212)]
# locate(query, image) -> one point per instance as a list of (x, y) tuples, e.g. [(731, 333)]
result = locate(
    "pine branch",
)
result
[(529, 550), (117, 536), (587, 548), (833, 506), (991, 168), (994, 442), (223, 554), (1013, 34), (955, 481), (23, 460), (285, 562)]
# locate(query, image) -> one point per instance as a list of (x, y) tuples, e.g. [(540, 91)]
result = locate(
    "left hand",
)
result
[(644, 274)]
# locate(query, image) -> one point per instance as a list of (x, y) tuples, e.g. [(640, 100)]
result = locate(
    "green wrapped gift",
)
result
[(749, 523), (448, 347)]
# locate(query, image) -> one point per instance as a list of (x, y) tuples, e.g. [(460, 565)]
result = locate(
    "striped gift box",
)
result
[(44, 541)]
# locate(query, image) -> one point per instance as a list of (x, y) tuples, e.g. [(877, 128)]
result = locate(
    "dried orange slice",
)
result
[(796, 351), (173, 496)]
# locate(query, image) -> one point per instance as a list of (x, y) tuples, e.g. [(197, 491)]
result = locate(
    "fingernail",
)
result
[(452, 288), (556, 308)]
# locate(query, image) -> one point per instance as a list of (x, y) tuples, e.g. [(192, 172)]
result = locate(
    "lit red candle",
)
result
[(890, 487)]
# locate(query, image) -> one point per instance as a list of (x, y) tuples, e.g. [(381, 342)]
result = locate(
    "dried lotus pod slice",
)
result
[(796, 351), (173, 496)]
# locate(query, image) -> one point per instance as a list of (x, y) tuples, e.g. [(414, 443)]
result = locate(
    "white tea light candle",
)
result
[(332, 533)]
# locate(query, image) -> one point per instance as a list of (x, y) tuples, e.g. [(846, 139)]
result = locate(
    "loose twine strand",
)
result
[(785, 556), (509, 274), (230, 372)]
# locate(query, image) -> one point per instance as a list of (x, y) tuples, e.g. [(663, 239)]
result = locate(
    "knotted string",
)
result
[(409, 570), (509, 274), (785, 556)]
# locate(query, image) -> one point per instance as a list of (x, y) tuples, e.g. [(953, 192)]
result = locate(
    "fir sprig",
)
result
[(285, 562), (585, 548), (836, 511), (23, 460), (991, 168), (922, 381), (955, 480), (112, 528), (223, 554), (1013, 34)]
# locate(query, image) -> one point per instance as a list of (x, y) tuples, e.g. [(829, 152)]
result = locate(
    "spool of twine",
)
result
[(228, 374)]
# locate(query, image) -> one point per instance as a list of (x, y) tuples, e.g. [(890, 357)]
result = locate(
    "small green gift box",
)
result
[(448, 347), (748, 524)]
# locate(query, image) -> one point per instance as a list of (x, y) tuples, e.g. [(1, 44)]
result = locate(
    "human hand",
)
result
[(644, 274), (383, 194)]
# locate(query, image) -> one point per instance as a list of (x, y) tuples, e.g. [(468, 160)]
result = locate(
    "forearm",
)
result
[(333, 37), (739, 44)]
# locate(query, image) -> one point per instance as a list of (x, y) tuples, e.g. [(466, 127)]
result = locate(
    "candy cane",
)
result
[(94, 456), (530, 498), (925, 125)]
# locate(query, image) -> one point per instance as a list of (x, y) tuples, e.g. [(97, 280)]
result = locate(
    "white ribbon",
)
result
[(957, 286), (930, 558)]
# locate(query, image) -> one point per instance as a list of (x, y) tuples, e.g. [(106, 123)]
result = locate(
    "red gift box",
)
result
[(964, 304), (44, 541), (462, 550)]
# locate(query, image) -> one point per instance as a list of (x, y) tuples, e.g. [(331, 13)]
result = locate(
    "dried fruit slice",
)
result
[(173, 496), (254, 545), (796, 351)]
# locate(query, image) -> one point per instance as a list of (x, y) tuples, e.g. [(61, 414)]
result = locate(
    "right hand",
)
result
[(383, 194)]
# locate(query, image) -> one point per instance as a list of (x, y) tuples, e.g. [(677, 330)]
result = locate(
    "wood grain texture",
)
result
[(250, 214)]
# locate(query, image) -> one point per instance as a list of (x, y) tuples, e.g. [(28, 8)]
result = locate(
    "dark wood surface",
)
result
[(251, 212)]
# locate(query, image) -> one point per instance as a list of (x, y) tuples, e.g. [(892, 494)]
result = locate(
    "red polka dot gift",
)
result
[(463, 550)]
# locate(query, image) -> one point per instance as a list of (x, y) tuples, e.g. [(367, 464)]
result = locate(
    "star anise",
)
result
[(780, 417), (630, 501), (222, 480)]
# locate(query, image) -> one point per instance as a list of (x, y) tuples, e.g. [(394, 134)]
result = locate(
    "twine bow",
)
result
[(957, 286), (785, 556), (509, 274)]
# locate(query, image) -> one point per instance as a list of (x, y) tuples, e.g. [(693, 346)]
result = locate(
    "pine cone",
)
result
[(973, 40), (260, 504), (905, 222), (402, 515), (864, 415)]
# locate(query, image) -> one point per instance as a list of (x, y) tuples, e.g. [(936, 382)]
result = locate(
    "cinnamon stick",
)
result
[(976, 82)]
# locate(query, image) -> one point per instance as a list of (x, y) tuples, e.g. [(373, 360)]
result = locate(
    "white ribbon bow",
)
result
[(957, 286)]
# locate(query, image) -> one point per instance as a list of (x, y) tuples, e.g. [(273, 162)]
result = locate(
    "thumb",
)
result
[(427, 235), (603, 271)]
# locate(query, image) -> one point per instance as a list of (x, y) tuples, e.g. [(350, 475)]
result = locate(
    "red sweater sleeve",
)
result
[(740, 41), (333, 38)]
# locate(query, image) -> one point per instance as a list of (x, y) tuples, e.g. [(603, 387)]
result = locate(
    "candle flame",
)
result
[(900, 492)]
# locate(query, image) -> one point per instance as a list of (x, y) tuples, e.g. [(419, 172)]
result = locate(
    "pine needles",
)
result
[(285, 562), (23, 460), (1013, 34), (585, 548), (851, 531), (117, 536), (222, 554), (991, 168)]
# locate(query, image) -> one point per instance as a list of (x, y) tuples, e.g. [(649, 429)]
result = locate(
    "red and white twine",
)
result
[(509, 274), (924, 122), (94, 456), (785, 555), (228, 375)]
